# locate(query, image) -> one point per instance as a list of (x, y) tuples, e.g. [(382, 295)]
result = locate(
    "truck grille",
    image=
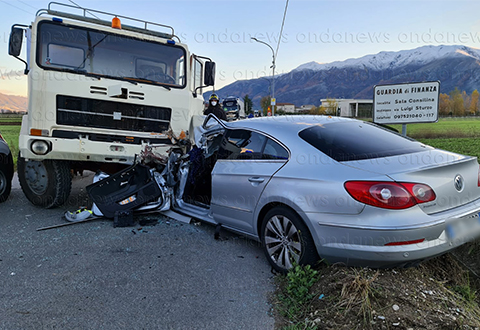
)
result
[(79, 111)]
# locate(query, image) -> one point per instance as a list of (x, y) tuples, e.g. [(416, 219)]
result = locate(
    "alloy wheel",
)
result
[(282, 241)]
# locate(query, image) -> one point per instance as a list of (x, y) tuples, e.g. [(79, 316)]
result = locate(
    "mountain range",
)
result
[(454, 66), (13, 103)]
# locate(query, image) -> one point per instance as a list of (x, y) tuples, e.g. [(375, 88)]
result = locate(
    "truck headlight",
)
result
[(40, 147)]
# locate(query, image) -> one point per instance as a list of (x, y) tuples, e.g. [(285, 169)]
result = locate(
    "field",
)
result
[(444, 128), (451, 134), (10, 134)]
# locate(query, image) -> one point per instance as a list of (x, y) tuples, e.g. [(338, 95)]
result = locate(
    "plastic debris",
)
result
[(78, 215)]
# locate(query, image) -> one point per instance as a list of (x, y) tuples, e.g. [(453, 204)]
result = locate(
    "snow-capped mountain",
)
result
[(453, 66), (388, 60)]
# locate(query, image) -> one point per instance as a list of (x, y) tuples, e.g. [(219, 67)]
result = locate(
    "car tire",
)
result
[(45, 183), (5, 184), (286, 240)]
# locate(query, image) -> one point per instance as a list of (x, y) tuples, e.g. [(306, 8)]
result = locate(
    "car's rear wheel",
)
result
[(45, 183), (287, 240), (5, 184)]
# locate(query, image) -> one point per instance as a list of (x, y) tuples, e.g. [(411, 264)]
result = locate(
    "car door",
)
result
[(246, 162)]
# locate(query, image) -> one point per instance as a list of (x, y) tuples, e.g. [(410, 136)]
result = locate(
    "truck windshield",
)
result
[(230, 105), (93, 52)]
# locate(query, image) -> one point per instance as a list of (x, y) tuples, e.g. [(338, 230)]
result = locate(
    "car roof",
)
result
[(281, 125)]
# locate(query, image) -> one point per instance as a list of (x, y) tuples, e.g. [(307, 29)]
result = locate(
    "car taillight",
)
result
[(1, 138), (390, 195), (478, 180), (421, 192)]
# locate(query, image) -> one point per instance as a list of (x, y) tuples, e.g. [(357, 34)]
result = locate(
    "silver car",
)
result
[(311, 187), (344, 190)]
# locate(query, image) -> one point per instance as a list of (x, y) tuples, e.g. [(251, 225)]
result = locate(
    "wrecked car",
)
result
[(6, 170), (311, 187)]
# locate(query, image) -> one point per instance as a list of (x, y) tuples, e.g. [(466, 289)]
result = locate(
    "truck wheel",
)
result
[(45, 183)]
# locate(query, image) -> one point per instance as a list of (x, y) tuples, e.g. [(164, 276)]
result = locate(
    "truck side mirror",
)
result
[(15, 42), (209, 78)]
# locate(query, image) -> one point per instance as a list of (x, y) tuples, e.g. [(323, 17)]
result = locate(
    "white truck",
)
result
[(98, 92), (234, 108)]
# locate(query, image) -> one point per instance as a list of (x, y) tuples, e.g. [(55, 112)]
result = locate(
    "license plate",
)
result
[(463, 226)]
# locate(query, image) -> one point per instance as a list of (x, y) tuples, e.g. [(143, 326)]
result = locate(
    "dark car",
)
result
[(6, 170)]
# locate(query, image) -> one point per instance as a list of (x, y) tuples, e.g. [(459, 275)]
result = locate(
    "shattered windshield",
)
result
[(94, 52)]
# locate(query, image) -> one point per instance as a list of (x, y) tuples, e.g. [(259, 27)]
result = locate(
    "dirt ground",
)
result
[(437, 294)]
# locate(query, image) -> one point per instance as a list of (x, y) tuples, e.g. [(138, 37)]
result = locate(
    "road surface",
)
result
[(160, 274)]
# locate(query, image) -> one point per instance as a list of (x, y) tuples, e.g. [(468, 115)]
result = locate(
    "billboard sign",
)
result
[(406, 103)]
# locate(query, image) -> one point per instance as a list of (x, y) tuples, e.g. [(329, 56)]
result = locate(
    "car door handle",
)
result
[(256, 179)]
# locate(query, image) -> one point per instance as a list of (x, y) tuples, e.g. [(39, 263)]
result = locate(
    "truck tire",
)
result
[(45, 183)]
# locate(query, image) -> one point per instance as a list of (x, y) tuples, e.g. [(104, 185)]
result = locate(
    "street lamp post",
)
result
[(273, 101)]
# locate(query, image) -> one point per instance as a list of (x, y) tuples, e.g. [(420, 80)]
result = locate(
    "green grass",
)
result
[(10, 134), (464, 146), (10, 118), (444, 128)]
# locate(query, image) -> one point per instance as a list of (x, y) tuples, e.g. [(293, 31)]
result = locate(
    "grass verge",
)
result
[(436, 295)]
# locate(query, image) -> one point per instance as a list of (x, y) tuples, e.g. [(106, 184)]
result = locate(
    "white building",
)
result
[(352, 107), (306, 108), (286, 107)]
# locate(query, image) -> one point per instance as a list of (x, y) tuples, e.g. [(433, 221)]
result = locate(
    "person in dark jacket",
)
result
[(215, 108)]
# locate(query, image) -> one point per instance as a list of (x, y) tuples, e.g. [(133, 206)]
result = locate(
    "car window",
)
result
[(242, 144), (274, 151), (346, 141)]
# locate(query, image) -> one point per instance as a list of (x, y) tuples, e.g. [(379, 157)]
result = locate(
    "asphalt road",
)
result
[(160, 274)]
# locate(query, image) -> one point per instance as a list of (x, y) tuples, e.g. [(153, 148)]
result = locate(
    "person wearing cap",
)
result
[(215, 108)]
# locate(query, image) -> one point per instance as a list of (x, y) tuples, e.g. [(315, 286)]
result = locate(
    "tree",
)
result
[(321, 110), (457, 103), (474, 102), (314, 111), (444, 105), (466, 102), (248, 104), (265, 104), (330, 106)]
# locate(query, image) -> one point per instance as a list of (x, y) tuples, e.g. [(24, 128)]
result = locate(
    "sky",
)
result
[(314, 30)]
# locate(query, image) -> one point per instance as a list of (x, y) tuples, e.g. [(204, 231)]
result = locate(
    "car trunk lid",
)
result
[(453, 177)]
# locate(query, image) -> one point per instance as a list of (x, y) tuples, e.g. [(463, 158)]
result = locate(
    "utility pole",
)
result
[(273, 101)]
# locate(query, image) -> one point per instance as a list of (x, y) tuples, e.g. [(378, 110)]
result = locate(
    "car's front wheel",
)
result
[(5, 184), (287, 240), (45, 183)]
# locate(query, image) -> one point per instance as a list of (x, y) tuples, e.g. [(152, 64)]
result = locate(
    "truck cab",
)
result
[(98, 92), (234, 108)]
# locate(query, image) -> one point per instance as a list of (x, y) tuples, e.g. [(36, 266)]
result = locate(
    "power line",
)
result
[(27, 4), (281, 29), (17, 7), (85, 9)]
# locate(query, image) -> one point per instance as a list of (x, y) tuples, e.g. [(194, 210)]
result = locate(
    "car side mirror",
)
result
[(209, 78), (15, 42)]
